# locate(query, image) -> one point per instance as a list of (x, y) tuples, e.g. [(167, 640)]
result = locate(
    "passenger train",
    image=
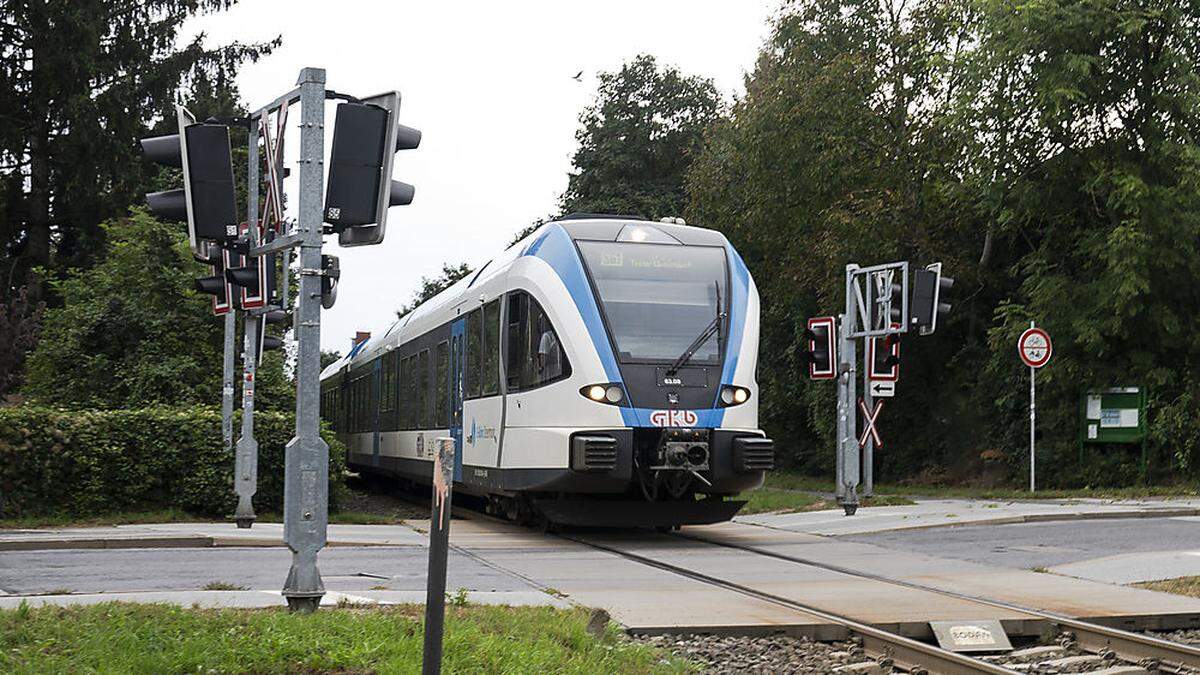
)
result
[(601, 371)]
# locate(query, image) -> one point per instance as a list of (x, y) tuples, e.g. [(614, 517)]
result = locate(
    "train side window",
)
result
[(406, 403), (388, 400), (424, 392), (472, 365), (491, 348), (518, 311), (442, 400), (535, 354)]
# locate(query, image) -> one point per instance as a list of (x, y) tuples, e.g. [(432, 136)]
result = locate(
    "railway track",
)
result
[(1108, 650), (889, 651), (1151, 653)]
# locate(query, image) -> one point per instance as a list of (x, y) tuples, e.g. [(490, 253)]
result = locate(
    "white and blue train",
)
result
[(601, 371)]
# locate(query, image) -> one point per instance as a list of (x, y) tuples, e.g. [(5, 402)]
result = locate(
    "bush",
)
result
[(88, 462)]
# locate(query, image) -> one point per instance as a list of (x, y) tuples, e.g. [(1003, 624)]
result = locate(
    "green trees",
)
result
[(83, 81), (637, 139), (132, 332), (1046, 152)]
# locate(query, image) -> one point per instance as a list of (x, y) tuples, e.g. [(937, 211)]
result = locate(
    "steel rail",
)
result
[(908, 654), (1127, 645)]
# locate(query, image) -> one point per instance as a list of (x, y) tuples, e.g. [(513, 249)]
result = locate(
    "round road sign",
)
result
[(1035, 347)]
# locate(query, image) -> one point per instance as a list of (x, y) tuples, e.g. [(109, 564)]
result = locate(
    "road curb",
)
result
[(1011, 520), (106, 543), (169, 541)]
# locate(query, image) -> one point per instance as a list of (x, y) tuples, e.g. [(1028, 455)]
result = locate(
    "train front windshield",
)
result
[(658, 299)]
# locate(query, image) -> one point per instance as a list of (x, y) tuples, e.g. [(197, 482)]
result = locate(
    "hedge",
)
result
[(91, 462)]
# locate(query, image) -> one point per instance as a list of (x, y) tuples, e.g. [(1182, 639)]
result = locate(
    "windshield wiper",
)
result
[(713, 326)]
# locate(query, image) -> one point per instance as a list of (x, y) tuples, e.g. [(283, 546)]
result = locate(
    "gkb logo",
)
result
[(673, 418)]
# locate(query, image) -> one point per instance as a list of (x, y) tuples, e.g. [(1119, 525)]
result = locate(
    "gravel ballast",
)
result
[(778, 654)]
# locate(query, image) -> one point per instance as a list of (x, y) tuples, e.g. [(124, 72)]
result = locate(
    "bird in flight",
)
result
[(578, 77)]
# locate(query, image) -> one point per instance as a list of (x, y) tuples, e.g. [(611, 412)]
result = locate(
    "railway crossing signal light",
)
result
[(215, 285), (821, 353), (266, 342), (254, 276), (930, 297), (360, 188), (207, 199), (896, 304), (883, 355), (330, 273)]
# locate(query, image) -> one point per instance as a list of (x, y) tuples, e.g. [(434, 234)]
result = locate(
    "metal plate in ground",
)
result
[(983, 635)]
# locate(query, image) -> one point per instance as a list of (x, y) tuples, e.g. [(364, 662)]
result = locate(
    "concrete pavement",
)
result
[(948, 512)]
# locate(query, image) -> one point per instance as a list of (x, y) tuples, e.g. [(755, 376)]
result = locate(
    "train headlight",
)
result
[(604, 393), (734, 395)]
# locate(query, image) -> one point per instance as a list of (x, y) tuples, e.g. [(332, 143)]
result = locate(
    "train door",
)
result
[(457, 366), (376, 404), (483, 406)]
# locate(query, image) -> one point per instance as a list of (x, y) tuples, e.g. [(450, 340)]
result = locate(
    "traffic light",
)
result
[(254, 276), (883, 356), (207, 200), (896, 304), (360, 188), (216, 285), (331, 271), (929, 298), (821, 353), (266, 342)]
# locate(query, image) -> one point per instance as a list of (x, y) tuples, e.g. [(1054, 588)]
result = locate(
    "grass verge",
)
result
[(124, 638), (774, 500), (1179, 586), (103, 520), (785, 480)]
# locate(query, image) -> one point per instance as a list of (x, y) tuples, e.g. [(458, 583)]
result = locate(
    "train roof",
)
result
[(579, 226)]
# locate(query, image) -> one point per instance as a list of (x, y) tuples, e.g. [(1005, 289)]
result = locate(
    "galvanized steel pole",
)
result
[(230, 355), (306, 480), (246, 471), (848, 431), (1032, 426), (247, 446), (439, 551)]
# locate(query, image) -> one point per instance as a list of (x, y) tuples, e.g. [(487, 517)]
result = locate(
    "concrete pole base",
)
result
[(244, 523), (304, 604)]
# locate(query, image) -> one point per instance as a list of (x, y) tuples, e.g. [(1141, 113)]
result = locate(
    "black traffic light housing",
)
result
[(360, 188), (216, 285), (821, 352), (931, 292), (883, 356), (207, 200), (266, 342), (255, 276)]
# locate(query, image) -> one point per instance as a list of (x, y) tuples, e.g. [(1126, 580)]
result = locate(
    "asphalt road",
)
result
[(1029, 545), (344, 569), (402, 568)]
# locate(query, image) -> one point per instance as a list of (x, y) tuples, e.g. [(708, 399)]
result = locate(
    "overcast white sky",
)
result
[(489, 85)]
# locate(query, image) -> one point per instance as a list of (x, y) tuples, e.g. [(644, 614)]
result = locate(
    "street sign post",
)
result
[(439, 550), (1035, 348)]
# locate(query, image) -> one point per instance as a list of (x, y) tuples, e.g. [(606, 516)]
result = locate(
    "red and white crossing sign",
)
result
[(870, 430), (1035, 347)]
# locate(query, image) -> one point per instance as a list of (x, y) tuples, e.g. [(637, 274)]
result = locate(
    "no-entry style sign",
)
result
[(1035, 347)]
